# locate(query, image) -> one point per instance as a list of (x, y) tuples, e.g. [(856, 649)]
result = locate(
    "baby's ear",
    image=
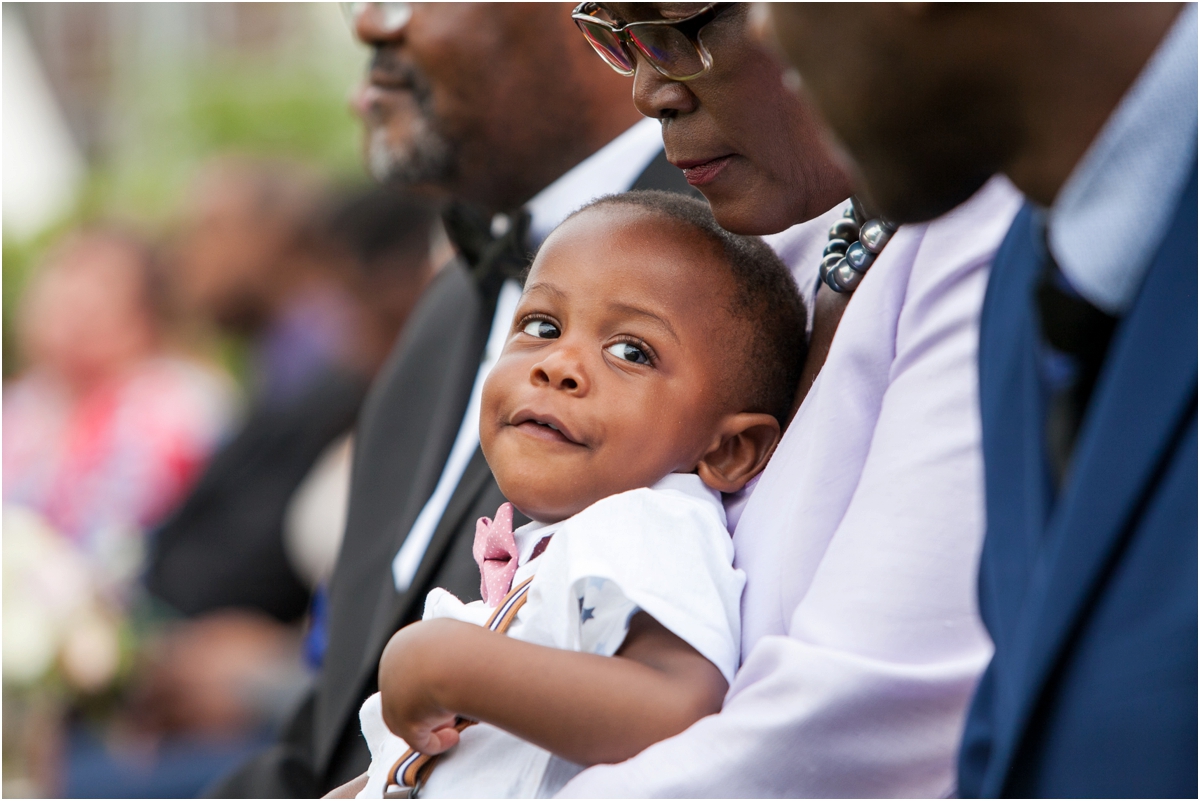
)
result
[(744, 443)]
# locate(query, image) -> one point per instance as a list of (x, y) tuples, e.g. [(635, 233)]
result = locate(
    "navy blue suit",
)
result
[(1089, 590)]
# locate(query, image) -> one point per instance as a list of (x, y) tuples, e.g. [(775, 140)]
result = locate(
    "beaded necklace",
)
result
[(852, 249)]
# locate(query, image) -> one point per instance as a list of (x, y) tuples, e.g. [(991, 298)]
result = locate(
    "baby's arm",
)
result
[(584, 708)]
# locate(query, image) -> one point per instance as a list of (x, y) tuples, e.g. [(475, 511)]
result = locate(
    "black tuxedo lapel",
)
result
[(411, 417), (407, 607)]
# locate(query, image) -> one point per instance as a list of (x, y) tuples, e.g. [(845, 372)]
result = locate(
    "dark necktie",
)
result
[(495, 247), (1075, 337)]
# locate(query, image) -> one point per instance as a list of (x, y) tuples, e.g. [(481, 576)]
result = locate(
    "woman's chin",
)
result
[(751, 213)]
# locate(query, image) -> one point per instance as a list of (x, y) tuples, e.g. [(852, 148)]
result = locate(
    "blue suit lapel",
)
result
[(1013, 408), (1146, 390)]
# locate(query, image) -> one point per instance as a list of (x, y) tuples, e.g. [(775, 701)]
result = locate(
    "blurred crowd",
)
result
[(177, 446)]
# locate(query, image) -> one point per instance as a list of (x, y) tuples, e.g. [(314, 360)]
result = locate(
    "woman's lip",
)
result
[(699, 173)]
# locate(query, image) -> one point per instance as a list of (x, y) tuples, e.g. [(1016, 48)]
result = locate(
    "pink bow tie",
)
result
[(495, 552)]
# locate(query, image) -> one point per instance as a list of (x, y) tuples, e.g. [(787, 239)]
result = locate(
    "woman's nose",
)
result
[(658, 97), (561, 369), (377, 23)]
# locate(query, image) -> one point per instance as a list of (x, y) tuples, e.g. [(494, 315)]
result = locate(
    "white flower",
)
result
[(47, 588), (30, 643)]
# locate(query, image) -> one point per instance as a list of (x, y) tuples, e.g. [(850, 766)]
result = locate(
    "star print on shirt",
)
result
[(602, 602), (585, 614)]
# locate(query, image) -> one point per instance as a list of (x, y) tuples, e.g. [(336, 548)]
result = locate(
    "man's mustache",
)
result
[(389, 71)]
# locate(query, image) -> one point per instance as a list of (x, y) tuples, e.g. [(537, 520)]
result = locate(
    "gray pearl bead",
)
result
[(875, 234), (846, 277), (844, 229), (836, 246), (859, 257), (829, 261), (827, 279)]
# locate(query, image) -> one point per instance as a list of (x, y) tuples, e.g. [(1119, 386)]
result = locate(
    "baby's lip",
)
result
[(551, 427)]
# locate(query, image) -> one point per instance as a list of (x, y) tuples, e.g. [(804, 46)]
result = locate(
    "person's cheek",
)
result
[(491, 405)]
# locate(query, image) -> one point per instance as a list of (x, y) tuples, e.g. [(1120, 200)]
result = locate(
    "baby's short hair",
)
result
[(767, 303)]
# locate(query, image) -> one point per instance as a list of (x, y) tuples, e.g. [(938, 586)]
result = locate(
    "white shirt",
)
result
[(612, 168), (1109, 218), (861, 641), (664, 550)]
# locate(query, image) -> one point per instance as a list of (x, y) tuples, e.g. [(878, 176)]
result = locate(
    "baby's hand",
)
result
[(412, 684)]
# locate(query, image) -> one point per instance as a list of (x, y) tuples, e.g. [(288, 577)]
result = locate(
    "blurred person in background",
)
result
[(259, 534), (320, 285), (107, 428), (104, 433), (250, 260), (325, 280)]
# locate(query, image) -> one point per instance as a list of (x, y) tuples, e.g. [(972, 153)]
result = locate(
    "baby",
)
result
[(650, 367)]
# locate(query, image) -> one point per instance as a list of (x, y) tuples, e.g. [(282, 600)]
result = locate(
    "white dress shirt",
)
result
[(612, 168), (1109, 218), (861, 640)]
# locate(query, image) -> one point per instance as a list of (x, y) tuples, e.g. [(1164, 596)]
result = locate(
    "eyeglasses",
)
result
[(672, 47), (392, 16)]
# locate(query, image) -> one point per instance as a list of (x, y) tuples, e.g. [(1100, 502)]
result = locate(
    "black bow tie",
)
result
[(496, 247)]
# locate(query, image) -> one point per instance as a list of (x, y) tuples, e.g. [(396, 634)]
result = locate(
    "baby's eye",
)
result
[(630, 353), (541, 329)]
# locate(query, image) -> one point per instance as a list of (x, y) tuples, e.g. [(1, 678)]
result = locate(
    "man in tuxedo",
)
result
[(504, 110), (1087, 581)]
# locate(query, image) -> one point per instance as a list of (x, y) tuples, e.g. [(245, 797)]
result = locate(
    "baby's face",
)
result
[(613, 371)]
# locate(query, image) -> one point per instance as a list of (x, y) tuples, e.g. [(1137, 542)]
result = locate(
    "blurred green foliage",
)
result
[(290, 104), (298, 112)]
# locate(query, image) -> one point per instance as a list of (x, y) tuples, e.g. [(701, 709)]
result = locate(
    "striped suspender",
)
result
[(413, 769)]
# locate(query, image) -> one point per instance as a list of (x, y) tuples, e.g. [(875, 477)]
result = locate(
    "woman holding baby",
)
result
[(860, 644)]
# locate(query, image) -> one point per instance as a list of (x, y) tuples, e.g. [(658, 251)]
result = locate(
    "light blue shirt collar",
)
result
[(1111, 215)]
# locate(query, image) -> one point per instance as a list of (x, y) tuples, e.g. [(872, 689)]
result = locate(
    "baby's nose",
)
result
[(561, 370)]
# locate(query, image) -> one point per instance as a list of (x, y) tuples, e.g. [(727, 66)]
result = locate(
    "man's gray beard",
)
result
[(431, 159)]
